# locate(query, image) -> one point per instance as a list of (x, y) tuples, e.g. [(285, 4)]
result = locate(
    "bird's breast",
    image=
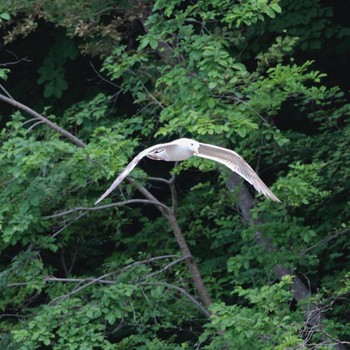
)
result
[(178, 153)]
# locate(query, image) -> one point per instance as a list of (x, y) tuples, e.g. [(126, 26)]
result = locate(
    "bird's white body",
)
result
[(175, 151), (183, 149)]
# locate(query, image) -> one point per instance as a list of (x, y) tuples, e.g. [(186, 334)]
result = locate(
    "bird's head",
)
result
[(191, 144)]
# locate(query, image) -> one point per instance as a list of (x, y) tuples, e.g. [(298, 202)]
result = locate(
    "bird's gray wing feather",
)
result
[(128, 169), (237, 164)]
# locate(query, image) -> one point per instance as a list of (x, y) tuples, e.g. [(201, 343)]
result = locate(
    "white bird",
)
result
[(183, 149)]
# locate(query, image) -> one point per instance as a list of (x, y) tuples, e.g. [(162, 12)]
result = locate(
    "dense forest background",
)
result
[(186, 255)]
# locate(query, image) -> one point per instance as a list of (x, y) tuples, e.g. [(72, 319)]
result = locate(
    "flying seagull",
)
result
[(183, 149)]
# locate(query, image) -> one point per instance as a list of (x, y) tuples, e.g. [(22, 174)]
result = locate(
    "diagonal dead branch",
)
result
[(52, 125)]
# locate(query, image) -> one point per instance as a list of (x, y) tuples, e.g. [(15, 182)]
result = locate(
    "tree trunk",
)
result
[(313, 314), (192, 266)]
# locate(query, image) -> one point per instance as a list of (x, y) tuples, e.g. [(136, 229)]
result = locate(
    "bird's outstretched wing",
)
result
[(128, 169), (237, 164)]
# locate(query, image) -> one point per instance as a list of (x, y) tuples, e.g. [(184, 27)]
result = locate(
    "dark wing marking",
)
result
[(237, 164), (154, 154), (128, 169)]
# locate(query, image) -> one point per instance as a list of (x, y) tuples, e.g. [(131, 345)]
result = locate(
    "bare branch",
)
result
[(171, 184), (67, 225), (235, 98), (35, 124), (166, 267), (337, 341), (102, 78), (326, 240), (79, 280), (29, 121), (17, 60), (147, 91), (173, 192), (109, 9), (181, 241), (112, 205), (6, 92), (14, 315), (158, 179), (102, 279), (6, 182), (182, 291), (162, 207), (52, 125)]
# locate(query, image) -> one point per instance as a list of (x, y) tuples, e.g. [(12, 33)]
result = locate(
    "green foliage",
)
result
[(76, 276), (250, 12), (4, 73), (5, 16), (308, 20), (302, 184), (51, 73), (266, 324)]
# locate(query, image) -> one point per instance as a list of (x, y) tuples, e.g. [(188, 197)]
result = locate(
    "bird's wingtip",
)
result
[(274, 198)]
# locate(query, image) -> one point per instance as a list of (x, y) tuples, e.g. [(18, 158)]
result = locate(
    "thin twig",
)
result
[(78, 280), (67, 225), (166, 267), (102, 78), (6, 92), (182, 291), (35, 124), (162, 207), (101, 279), (148, 92), (337, 341), (173, 192), (324, 241), (233, 97), (112, 205), (108, 9), (7, 182), (171, 185), (18, 60), (158, 179), (29, 121)]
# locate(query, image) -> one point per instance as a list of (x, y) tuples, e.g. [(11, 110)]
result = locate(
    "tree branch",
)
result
[(171, 184), (191, 264), (18, 60), (173, 192), (52, 125), (68, 224), (182, 291), (166, 267), (106, 206), (103, 281)]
